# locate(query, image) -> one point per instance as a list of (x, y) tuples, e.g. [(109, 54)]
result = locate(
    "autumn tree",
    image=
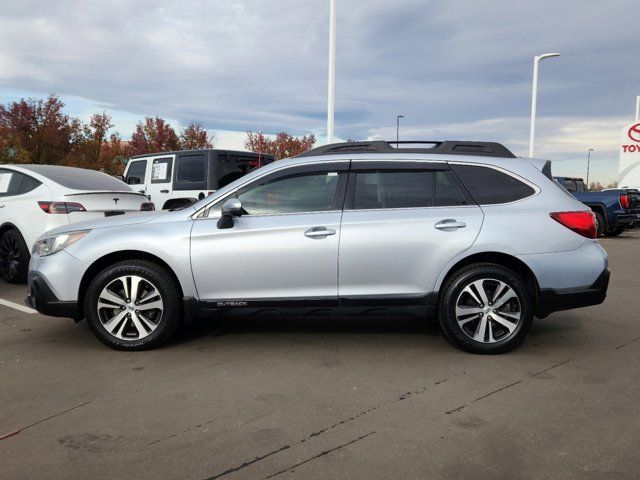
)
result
[(88, 142), (153, 135), (195, 136), (282, 146), (37, 131)]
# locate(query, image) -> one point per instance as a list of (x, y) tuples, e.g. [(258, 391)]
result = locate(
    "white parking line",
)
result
[(17, 306)]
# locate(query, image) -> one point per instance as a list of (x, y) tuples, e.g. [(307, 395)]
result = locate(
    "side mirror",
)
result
[(230, 209), (119, 177)]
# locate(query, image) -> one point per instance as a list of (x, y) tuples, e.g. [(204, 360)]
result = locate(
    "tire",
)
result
[(130, 325), (14, 257), (599, 223), (502, 330), (615, 231)]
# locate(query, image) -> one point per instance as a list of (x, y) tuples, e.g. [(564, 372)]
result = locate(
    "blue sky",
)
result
[(455, 69)]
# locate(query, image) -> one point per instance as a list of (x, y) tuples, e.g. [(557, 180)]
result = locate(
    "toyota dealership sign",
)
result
[(630, 156)]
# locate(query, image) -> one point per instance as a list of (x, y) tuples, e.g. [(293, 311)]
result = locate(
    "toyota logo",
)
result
[(634, 132)]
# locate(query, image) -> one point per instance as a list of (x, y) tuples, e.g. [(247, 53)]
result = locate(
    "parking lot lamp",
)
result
[(398, 117), (588, 163), (332, 70), (534, 96)]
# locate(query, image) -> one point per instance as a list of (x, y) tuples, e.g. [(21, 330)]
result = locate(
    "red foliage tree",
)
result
[(195, 136), (37, 131), (283, 146), (153, 135)]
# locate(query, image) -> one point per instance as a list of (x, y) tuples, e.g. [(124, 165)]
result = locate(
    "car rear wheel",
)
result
[(14, 257), (133, 305), (599, 224), (485, 308)]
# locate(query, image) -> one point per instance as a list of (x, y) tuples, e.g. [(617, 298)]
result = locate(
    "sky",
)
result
[(456, 69)]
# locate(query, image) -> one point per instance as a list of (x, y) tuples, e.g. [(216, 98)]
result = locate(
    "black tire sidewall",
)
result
[(23, 260), (163, 281), (447, 307), (600, 224)]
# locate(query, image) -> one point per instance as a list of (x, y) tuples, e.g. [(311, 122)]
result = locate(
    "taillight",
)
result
[(60, 207), (624, 201), (583, 223), (147, 207)]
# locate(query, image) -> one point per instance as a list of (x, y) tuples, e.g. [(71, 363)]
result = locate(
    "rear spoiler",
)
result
[(543, 165)]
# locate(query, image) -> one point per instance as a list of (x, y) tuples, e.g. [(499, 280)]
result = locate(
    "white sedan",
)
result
[(37, 198)]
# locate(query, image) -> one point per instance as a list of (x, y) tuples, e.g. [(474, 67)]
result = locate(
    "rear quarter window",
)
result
[(490, 186)]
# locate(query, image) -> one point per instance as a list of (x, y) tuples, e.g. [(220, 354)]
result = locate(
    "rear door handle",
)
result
[(164, 191), (319, 232), (449, 223)]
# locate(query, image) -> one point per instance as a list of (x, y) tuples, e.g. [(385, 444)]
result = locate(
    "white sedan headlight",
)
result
[(51, 245)]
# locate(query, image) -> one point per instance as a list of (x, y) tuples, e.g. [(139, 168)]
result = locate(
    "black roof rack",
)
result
[(447, 147)]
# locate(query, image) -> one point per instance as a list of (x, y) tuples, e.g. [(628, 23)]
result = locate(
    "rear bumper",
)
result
[(625, 219), (553, 300), (41, 298)]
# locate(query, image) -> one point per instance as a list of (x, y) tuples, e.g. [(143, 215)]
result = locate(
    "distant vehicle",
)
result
[(177, 179), (615, 209), (464, 231), (37, 198)]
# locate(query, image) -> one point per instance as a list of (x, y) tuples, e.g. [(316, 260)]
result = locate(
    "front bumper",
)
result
[(553, 300), (41, 298)]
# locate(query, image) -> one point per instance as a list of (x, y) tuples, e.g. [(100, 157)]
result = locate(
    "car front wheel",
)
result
[(133, 305), (485, 308)]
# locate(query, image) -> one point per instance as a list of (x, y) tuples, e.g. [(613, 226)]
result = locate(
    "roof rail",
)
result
[(447, 147)]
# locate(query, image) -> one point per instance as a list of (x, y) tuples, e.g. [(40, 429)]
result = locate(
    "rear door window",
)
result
[(490, 186), (136, 172), (16, 183), (393, 189), (446, 192), (191, 172), (161, 170)]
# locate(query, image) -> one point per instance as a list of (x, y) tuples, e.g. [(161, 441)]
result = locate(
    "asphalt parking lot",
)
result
[(374, 398)]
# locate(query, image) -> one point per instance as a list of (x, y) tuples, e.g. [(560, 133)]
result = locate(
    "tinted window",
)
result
[(136, 172), (190, 172), (490, 186), (15, 183), (446, 192), (393, 189), (232, 166), (313, 192), (161, 170)]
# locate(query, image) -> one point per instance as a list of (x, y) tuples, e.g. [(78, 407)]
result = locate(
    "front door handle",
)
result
[(164, 191), (449, 223), (319, 232)]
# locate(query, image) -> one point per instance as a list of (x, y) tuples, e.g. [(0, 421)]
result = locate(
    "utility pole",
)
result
[(331, 100), (398, 117), (588, 163)]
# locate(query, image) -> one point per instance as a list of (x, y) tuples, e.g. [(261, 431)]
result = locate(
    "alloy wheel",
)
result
[(488, 310), (9, 256), (130, 308)]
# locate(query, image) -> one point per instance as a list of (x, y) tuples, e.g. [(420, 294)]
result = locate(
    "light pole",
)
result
[(398, 117), (534, 96), (638, 108), (588, 163), (331, 101)]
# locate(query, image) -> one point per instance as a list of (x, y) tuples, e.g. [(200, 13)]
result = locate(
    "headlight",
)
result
[(51, 245)]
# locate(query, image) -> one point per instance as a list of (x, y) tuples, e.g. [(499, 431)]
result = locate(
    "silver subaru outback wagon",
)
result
[(463, 231)]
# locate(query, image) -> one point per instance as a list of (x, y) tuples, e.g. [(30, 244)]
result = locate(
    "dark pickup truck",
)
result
[(615, 209)]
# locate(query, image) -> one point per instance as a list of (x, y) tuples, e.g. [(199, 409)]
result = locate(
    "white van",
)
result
[(176, 179)]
